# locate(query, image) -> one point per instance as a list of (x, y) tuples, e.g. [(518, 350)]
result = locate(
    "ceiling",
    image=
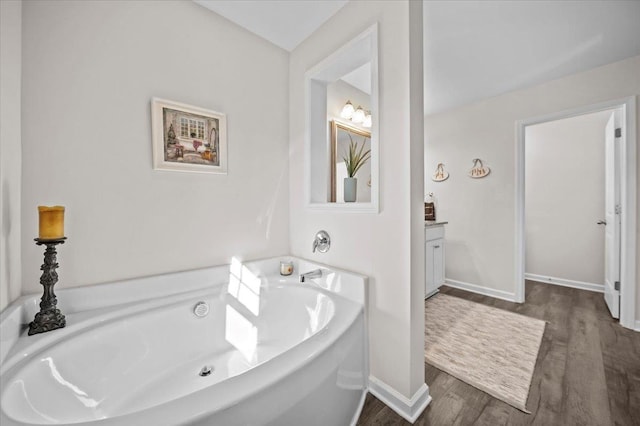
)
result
[(285, 23), (474, 49), (479, 49), (360, 78)]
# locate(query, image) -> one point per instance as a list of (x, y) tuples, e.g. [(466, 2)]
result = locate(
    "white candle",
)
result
[(286, 267)]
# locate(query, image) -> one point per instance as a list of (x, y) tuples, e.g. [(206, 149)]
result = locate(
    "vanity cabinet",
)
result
[(434, 261)]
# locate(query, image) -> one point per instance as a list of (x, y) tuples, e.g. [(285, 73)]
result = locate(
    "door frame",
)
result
[(628, 195)]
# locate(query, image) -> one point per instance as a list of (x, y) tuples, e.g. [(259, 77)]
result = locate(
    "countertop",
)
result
[(434, 223)]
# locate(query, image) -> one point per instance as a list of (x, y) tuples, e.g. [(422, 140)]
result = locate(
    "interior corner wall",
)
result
[(10, 149), (90, 70), (564, 198), (480, 239), (377, 245)]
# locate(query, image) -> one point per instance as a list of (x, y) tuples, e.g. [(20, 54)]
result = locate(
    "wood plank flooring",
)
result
[(587, 372)]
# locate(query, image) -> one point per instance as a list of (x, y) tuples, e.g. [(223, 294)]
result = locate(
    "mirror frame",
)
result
[(335, 125), (317, 138)]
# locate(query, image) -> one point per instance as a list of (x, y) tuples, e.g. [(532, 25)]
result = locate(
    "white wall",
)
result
[(564, 198), (10, 149), (378, 245), (90, 70), (481, 212)]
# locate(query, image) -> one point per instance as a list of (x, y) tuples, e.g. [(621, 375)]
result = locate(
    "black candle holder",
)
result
[(49, 318)]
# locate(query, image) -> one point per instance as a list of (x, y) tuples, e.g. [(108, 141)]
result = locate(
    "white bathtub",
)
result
[(282, 352)]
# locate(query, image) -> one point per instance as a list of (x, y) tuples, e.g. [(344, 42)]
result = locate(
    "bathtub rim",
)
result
[(33, 299), (14, 319)]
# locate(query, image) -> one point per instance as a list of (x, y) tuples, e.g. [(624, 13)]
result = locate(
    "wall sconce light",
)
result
[(367, 119), (347, 111), (358, 116)]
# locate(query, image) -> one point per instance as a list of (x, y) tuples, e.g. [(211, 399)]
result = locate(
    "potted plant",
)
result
[(354, 160)]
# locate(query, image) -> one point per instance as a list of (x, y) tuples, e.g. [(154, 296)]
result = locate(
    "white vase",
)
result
[(350, 189)]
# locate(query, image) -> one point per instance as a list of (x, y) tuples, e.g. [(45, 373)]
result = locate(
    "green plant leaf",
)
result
[(356, 157)]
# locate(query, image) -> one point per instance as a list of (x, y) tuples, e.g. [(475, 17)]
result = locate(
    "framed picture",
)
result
[(188, 138)]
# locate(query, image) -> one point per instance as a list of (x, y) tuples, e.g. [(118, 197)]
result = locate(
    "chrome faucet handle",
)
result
[(322, 242)]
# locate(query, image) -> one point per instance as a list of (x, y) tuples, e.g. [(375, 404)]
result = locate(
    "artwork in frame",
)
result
[(188, 138)]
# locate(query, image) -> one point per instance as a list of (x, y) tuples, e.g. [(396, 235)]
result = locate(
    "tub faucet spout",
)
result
[(316, 273)]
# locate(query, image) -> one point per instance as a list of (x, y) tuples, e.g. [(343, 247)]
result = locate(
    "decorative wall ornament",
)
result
[(478, 170), (440, 174), (188, 138)]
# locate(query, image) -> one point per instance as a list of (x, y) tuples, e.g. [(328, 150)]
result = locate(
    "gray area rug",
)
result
[(491, 349)]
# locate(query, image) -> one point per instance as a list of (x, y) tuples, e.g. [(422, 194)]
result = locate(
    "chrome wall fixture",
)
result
[(321, 242)]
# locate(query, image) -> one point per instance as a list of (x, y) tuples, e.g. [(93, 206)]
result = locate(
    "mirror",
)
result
[(349, 77), (342, 135)]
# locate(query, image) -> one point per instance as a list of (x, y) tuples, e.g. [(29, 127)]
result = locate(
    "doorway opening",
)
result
[(618, 255)]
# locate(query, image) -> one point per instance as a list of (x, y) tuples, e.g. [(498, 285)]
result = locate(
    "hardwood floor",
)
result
[(587, 372)]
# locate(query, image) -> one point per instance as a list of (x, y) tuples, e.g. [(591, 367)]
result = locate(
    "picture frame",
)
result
[(186, 138)]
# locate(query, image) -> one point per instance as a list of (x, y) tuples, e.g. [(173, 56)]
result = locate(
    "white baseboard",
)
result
[(409, 409), (432, 293), (486, 291), (637, 325), (356, 416), (598, 288)]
